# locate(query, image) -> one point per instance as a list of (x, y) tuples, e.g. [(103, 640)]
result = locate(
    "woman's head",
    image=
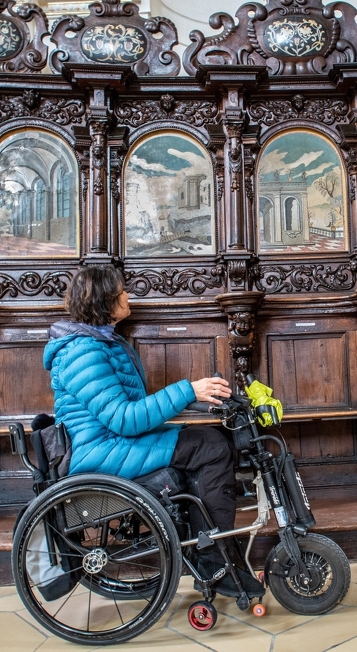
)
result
[(93, 296)]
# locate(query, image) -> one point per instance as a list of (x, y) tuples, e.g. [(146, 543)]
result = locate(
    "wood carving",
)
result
[(325, 111), (62, 111), (306, 277), (32, 284), (21, 48), (114, 34), (289, 37), (193, 112), (172, 281)]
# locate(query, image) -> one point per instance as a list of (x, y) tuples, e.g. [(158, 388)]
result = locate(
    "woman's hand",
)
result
[(206, 388)]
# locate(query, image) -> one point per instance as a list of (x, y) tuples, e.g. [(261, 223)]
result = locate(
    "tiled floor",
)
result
[(235, 631)]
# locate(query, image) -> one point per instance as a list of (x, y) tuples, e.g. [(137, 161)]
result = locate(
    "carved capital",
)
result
[(237, 272)]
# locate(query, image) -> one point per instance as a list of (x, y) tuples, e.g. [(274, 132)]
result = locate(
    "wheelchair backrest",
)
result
[(53, 449)]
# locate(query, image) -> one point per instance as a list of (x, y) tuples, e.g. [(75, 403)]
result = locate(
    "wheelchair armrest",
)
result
[(19, 445), (17, 438)]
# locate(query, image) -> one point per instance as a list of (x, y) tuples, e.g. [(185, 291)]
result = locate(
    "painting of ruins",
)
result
[(301, 195), (168, 184)]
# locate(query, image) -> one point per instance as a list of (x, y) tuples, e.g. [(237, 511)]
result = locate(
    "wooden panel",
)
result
[(193, 360), (153, 358), (324, 440), (304, 370), (352, 362), (168, 362), (25, 386)]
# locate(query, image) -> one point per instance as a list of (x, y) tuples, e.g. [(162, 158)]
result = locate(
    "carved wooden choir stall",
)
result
[(226, 191)]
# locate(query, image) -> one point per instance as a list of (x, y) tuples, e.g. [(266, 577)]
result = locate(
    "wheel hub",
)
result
[(316, 583), (95, 560)]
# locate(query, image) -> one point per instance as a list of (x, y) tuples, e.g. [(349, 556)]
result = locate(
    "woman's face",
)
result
[(122, 308)]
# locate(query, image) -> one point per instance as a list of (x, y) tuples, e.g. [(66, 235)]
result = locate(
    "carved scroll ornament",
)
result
[(61, 111), (115, 34), (22, 49), (32, 284), (325, 111), (172, 281), (289, 37), (193, 112), (305, 277)]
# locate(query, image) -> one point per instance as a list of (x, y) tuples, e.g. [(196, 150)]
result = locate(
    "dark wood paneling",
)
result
[(312, 364), (25, 389)]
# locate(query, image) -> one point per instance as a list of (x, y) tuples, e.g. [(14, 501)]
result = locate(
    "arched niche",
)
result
[(39, 208)]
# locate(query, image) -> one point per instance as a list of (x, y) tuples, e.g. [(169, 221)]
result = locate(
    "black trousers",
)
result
[(206, 458)]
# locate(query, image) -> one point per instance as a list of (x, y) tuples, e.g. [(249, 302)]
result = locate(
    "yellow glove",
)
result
[(261, 395)]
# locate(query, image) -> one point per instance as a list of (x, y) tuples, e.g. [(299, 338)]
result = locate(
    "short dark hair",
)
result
[(94, 294)]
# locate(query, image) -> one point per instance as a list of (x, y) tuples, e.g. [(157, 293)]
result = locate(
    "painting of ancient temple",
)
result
[(301, 194)]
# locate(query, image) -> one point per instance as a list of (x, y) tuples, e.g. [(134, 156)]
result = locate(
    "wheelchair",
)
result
[(97, 559)]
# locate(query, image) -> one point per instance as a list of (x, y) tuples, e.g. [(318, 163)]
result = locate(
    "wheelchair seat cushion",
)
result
[(157, 481)]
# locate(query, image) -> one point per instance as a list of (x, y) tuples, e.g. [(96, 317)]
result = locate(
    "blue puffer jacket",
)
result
[(100, 395)]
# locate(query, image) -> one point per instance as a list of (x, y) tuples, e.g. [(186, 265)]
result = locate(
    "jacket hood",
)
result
[(63, 332)]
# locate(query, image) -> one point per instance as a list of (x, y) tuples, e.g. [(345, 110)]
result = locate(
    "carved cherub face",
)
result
[(243, 322), (166, 102)]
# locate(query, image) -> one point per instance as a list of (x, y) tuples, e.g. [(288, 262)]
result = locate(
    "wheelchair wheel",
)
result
[(329, 571), (121, 545)]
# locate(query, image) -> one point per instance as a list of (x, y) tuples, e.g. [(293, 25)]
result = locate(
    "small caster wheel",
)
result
[(261, 577), (258, 610), (202, 615)]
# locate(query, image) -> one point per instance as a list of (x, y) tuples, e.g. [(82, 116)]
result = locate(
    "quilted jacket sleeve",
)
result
[(116, 397)]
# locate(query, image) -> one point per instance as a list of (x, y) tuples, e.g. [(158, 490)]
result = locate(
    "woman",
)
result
[(115, 427)]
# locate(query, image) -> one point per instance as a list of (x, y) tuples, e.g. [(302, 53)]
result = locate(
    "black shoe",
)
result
[(226, 585)]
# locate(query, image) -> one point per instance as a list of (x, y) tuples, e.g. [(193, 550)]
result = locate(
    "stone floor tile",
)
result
[(10, 602), (321, 634), (351, 598), (18, 635), (353, 572), (277, 619), (228, 635), (349, 646)]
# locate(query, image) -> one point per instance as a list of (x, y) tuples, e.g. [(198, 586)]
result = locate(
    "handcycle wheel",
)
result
[(202, 615), (330, 576), (126, 548)]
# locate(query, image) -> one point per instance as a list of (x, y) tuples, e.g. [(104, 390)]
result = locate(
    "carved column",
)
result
[(216, 146), (117, 149), (241, 309), (234, 125), (352, 171), (250, 146), (99, 120)]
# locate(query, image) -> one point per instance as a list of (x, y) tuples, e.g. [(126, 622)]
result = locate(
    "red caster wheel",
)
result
[(261, 577), (202, 615), (258, 610)]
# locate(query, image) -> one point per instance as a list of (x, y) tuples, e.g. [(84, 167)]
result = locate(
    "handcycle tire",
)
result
[(330, 572), (143, 571)]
